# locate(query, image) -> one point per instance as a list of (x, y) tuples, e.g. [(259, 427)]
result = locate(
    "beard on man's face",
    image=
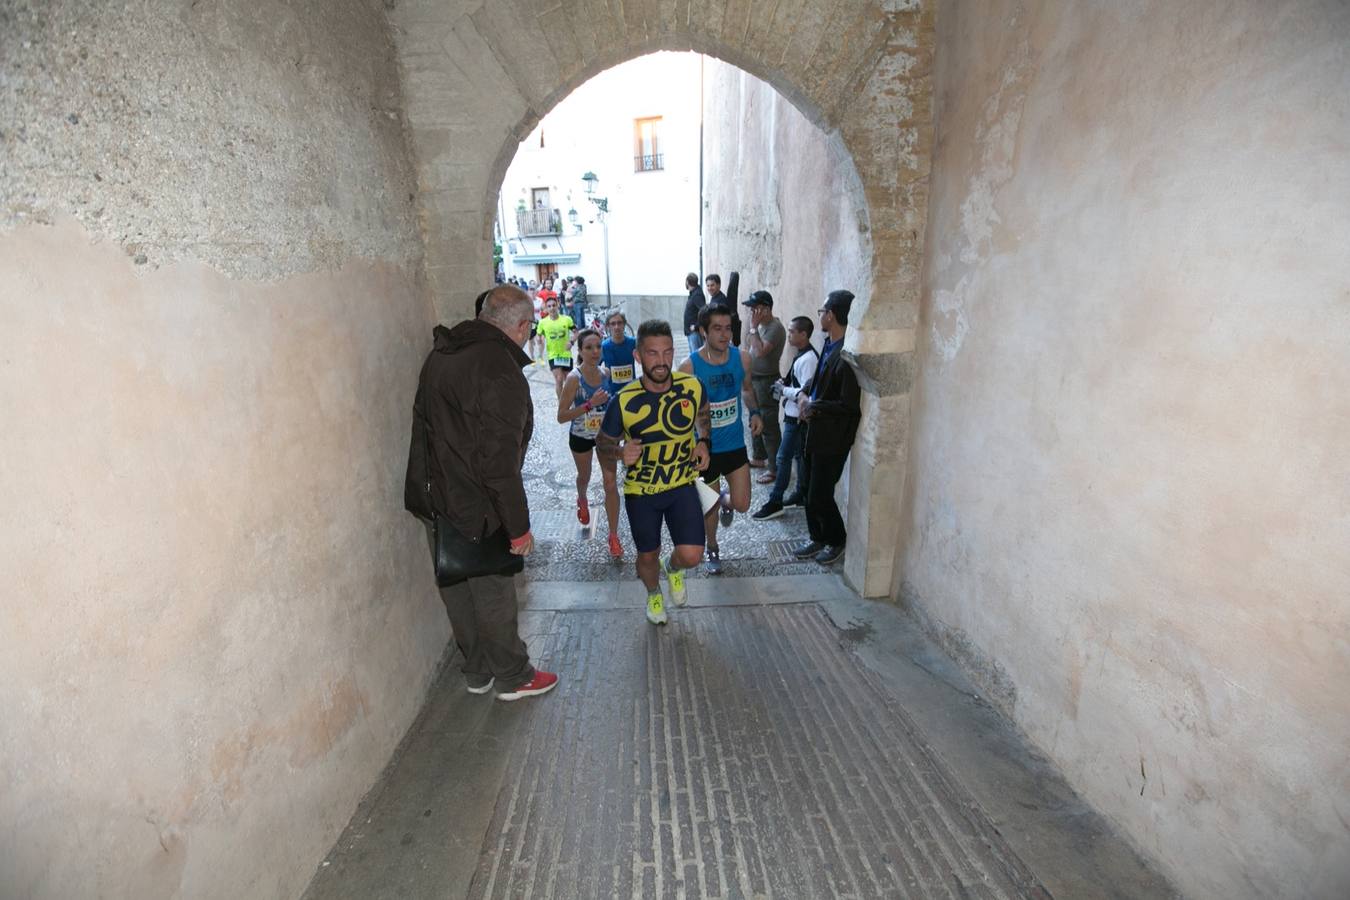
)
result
[(658, 374)]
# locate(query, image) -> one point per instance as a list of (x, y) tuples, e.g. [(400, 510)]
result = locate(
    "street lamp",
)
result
[(591, 180)]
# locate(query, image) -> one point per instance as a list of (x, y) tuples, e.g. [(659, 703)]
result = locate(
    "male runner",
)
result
[(618, 352), (558, 332), (721, 369), (662, 418)]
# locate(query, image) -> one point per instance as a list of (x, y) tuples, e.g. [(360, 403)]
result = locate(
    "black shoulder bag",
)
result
[(458, 558)]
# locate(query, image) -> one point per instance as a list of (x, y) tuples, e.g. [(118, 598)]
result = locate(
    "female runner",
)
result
[(582, 403)]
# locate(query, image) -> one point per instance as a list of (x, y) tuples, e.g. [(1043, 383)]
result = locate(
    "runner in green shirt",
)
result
[(558, 332)]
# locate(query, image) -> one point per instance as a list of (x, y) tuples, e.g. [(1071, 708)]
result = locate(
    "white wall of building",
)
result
[(654, 215)]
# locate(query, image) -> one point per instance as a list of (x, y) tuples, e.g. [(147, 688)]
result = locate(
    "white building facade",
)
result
[(636, 127)]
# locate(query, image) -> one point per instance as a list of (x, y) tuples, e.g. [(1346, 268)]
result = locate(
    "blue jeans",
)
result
[(695, 342), (579, 316), (790, 449)]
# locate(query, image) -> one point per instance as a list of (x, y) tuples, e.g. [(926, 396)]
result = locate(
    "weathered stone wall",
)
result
[(1130, 485), (859, 70), (784, 204), (217, 620)]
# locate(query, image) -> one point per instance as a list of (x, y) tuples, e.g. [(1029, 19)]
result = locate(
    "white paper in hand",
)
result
[(708, 497)]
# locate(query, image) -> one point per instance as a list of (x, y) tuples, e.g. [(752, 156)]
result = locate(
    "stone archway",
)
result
[(477, 77)]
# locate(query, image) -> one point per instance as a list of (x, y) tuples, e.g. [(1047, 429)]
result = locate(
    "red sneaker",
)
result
[(541, 683), (615, 548), (583, 511)]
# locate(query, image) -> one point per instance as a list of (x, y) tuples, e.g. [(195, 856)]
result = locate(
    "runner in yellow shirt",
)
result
[(558, 332), (662, 417)]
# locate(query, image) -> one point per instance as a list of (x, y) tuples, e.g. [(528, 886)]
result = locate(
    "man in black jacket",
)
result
[(472, 421), (691, 310), (716, 297), (831, 413)]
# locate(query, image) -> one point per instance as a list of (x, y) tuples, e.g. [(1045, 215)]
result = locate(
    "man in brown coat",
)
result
[(473, 403)]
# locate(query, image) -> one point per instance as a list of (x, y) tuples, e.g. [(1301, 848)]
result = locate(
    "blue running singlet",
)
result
[(618, 358), (587, 426), (723, 386)]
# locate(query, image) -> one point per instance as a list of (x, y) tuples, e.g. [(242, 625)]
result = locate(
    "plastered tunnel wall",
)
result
[(1130, 485), (215, 621)]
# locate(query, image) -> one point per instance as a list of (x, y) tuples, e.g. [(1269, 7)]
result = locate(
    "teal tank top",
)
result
[(722, 384)]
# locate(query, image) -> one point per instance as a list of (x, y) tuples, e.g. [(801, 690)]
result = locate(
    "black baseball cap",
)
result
[(759, 298)]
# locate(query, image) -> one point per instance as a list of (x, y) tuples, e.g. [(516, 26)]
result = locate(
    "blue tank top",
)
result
[(618, 358), (587, 426), (722, 385)]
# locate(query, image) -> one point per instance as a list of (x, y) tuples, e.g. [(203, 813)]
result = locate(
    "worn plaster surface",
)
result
[(217, 622), (1130, 505)]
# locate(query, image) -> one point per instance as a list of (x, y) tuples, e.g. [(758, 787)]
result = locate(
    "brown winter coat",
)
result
[(474, 415)]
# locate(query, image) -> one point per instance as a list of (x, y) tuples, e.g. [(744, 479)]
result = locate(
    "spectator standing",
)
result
[(800, 376), (579, 302), (464, 472), (765, 341), (717, 298), (692, 306), (832, 412)]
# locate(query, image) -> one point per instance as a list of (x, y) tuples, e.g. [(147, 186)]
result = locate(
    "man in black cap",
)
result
[(765, 341), (832, 413)]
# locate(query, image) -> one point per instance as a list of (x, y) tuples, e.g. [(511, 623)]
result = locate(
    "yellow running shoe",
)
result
[(676, 578), (656, 608)]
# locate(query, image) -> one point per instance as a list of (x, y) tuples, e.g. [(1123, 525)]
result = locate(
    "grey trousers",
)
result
[(765, 444), (483, 618)]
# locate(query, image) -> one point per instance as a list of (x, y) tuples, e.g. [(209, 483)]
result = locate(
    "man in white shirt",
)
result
[(797, 383)]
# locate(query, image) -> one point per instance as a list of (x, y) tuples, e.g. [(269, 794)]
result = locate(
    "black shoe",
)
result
[(830, 554), (770, 510), (808, 550), (794, 500)]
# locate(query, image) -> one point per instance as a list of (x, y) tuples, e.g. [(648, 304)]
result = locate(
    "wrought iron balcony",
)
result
[(533, 222), (652, 162)]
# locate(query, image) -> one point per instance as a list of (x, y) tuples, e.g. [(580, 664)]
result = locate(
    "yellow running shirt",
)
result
[(555, 332), (664, 423)]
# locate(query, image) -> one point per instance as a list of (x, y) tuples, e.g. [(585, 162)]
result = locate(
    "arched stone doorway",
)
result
[(478, 77)]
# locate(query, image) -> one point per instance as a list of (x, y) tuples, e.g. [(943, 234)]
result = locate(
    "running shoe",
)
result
[(726, 513), (678, 595), (793, 501), (541, 683), (713, 564), (656, 608), (615, 548), (478, 688), (583, 510)]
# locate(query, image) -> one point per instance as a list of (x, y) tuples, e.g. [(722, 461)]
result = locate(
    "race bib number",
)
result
[(592, 421), (723, 412), (621, 374), (563, 361)]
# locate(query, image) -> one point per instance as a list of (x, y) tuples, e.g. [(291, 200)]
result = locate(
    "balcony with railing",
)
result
[(651, 162), (531, 222)]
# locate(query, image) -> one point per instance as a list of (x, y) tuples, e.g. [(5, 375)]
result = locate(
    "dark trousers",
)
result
[(483, 617), (822, 514), (483, 621)]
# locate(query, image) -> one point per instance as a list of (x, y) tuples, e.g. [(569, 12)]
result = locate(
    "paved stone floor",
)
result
[(779, 738)]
